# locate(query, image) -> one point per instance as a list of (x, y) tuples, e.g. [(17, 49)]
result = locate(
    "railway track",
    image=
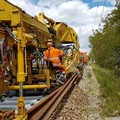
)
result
[(44, 109), (40, 107)]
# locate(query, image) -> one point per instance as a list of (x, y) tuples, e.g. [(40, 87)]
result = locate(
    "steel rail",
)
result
[(44, 109)]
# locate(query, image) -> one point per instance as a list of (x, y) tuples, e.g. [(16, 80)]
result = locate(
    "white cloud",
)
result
[(75, 13)]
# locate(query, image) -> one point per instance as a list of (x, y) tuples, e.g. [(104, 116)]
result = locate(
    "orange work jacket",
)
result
[(86, 58), (53, 55)]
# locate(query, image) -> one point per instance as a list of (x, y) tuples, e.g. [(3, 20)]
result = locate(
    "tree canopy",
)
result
[(105, 42)]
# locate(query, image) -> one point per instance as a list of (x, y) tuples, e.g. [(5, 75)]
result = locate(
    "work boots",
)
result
[(61, 78)]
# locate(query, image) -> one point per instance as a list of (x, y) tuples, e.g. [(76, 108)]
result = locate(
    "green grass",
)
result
[(89, 75), (110, 91)]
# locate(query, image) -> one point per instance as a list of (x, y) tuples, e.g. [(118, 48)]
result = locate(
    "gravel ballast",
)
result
[(82, 102)]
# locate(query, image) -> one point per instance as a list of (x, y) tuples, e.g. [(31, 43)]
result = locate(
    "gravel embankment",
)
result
[(73, 106), (82, 102)]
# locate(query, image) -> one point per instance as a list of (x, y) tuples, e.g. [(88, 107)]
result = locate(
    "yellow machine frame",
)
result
[(24, 32), (64, 34), (28, 31)]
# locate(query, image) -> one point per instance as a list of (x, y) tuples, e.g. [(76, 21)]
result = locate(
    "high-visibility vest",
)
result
[(53, 55)]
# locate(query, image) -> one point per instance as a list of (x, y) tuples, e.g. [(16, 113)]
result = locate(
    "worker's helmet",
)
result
[(49, 42)]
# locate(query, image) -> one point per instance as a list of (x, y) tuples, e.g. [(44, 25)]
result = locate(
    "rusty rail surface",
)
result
[(44, 109)]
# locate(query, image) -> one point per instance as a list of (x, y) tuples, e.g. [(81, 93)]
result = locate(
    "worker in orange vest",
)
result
[(82, 57), (85, 58), (52, 54)]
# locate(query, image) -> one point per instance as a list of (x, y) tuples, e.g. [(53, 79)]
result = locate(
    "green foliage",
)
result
[(110, 89), (105, 42)]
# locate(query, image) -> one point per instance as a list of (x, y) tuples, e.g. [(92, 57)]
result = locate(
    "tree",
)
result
[(106, 42)]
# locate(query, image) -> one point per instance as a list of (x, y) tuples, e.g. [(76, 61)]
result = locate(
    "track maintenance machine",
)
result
[(23, 40), (84, 58)]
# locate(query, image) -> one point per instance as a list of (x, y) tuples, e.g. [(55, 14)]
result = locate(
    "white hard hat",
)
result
[(49, 44)]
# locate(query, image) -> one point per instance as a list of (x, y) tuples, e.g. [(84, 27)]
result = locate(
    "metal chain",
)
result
[(9, 115), (5, 58)]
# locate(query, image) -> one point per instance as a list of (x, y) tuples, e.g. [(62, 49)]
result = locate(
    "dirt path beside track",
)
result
[(90, 86)]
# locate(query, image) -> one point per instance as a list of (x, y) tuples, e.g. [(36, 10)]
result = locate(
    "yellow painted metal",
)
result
[(10, 12), (42, 17), (20, 72), (48, 78), (21, 107), (2, 33), (20, 117), (20, 47), (15, 16), (28, 87), (28, 37), (33, 33), (26, 66), (65, 34)]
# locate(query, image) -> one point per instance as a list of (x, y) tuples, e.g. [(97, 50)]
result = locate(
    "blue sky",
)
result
[(90, 2), (83, 16), (35, 1), (98, 3)]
